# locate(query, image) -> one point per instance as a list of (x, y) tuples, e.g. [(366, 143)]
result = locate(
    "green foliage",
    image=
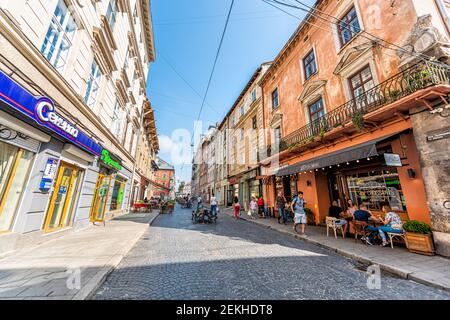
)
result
[(417, 227), (322, 133), (309, 212), (358, 121)]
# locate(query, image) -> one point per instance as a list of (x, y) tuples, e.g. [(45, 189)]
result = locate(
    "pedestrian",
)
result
[(261, 209), (213, 203), (281, 205), (237, 207), (298, 207), (254, 207)]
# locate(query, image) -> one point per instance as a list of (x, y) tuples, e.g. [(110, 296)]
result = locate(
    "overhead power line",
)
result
[(212, 71), (186, 82), (340, 23)]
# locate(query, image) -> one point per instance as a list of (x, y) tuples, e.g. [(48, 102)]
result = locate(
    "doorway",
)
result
[(100, 198), (63, 199)]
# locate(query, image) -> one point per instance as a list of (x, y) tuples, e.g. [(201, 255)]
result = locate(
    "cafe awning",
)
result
[(358, 152)]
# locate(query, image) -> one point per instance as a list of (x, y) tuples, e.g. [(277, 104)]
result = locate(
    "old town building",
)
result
[(164, 180), (357, 110), (350, 109), (245, 139), (73, 113)]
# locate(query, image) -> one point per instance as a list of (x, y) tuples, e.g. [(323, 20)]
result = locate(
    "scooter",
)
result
[(203, 215)]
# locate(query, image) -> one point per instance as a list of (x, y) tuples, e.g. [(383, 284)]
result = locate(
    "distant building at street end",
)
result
[(164, 180)]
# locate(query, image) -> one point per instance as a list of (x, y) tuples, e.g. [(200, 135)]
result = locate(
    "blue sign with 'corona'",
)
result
[(42, 110)]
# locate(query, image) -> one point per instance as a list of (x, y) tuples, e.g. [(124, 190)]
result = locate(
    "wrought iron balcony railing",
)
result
[(417, 77)]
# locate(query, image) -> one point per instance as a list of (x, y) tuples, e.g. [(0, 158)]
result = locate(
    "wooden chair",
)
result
[(331, 223), (360, 229), (392, 236)]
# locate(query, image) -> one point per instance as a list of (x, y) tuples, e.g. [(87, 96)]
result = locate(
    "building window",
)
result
[(242, 110), (93, 84), (309, 65), (111, 14), (277, 136), (361, 82), (316, 110), (58, 39), (275, 99), (127, 58), (116, 120), (254, 95), (348, 27), (254, 123)]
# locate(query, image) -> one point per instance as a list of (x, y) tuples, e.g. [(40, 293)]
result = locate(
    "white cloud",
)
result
[(166, 144)]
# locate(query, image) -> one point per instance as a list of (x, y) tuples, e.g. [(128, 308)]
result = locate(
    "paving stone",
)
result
[(241, 260)]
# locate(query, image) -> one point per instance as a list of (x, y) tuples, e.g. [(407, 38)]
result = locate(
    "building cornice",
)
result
[(147, 26), (304, 26), (16, 37)]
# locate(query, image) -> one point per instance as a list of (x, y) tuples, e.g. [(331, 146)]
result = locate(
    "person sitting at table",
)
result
[(364, 215), (336, 212), (392, 224), (351, 208)]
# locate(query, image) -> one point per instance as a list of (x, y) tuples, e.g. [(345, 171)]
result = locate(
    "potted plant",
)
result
[(310, 217), (418, 236), (358, 121)]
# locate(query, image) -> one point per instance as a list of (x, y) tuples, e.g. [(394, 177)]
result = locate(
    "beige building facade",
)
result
[(72, 113)]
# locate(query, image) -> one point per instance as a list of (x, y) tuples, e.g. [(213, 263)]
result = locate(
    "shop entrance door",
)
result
[(100, 198), (63, 199)]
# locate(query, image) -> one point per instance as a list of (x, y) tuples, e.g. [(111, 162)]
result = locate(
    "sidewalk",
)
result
[(73, 266), (434, 271)]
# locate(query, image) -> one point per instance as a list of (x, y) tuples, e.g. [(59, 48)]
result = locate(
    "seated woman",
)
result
[(392, 224)]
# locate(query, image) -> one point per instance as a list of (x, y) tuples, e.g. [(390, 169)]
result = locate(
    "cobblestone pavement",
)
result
[(239, 260)]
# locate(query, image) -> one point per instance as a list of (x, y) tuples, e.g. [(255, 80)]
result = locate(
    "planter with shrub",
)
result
[(310, 217), (418, 237)]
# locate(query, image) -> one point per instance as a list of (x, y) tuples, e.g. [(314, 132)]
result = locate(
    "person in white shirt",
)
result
[(213, 205)]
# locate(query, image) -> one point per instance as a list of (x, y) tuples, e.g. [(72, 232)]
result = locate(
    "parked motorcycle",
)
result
[(203, 215)]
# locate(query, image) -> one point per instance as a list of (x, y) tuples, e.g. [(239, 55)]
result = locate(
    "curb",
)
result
[(390, 269), (100, 277)]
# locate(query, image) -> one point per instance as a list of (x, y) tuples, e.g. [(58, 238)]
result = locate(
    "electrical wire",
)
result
[(213, 69), (361, 32)]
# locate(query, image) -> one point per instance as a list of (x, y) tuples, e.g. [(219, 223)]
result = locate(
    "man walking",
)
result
[(298, 207), (281, 205)]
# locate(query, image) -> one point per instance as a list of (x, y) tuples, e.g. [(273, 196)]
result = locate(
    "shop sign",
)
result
[(393, 160), (106, 158), (439, 134), (49, 174), (42, 111)]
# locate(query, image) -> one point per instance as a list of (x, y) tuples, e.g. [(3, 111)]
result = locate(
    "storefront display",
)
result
[(374, 188), (100, 197), (15, 164), (64, 198), (117, 193)]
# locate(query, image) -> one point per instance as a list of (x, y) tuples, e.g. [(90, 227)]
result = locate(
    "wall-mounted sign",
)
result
[(106, 158), (49, 174), (393, 160), (42, 111), (439, 134)]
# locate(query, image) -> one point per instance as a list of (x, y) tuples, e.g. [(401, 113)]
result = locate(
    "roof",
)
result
[(244, 91), (163, 165), (290, 43)]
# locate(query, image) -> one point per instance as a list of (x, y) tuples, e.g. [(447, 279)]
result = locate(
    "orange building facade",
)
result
[(340, 101)]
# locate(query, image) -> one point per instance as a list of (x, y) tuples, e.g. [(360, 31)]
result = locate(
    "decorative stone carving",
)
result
[(424, 38)]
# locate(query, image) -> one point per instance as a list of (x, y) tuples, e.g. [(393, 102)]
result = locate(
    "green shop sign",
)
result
[(110, 162)]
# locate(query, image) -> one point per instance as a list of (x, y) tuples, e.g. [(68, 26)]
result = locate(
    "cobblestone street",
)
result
[(240, 260)]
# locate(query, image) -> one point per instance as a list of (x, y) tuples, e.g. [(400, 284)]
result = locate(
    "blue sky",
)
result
[(187, 35)]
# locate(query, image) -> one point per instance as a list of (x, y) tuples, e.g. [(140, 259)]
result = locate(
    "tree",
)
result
[(181, 187)]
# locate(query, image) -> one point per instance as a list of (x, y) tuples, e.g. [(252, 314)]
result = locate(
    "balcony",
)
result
[(409, 81)]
